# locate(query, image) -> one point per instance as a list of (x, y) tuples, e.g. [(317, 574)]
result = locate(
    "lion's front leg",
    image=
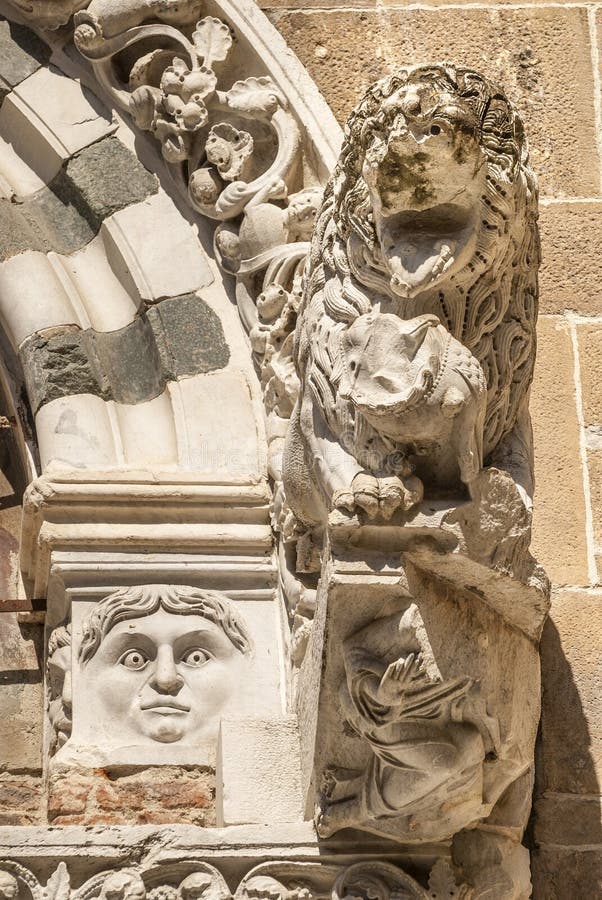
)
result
[(345, 482)]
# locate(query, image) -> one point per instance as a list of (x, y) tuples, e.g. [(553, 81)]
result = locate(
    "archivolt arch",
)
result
[(114, 294)]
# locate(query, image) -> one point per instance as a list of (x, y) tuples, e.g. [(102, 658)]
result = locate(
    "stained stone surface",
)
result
[(540, 53), (21, 54), (102, 179), (129, 365), (191, 336)]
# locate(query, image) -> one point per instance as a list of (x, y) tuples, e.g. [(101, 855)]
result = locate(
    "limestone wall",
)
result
[(547, 57)]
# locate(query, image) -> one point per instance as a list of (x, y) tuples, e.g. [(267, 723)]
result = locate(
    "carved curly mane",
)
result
[(490, 305)]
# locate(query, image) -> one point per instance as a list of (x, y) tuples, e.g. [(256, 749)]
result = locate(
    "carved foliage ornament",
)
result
[(196, 880)]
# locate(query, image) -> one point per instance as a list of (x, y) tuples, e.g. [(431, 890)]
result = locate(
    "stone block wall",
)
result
[(547, 57)]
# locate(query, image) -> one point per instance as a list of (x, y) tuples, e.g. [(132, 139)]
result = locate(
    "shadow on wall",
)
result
[(565, 832)]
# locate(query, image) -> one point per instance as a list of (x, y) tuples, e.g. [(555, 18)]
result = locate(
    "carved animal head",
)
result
[(432, 209), (424, 153), (387, 364)]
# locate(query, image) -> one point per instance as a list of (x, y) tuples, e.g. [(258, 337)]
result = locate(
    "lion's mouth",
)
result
[(420, 246)]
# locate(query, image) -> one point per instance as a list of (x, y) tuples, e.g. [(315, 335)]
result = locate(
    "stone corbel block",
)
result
[(419, 694), (258, 773)]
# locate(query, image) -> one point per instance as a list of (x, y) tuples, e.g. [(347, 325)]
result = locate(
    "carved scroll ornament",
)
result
[(196, 880)]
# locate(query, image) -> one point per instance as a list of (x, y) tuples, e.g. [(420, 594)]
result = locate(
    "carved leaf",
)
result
[(255, 96), (212, 39), (59, 885), (442, 883)]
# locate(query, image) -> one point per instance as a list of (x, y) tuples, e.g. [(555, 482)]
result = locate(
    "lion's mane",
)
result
[(490, 305)]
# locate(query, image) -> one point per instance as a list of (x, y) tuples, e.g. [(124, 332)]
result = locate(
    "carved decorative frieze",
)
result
[(196, 880)]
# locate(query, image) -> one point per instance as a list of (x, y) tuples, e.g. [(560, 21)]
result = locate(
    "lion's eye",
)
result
[(435, 129), (134, 659), (196, 658)]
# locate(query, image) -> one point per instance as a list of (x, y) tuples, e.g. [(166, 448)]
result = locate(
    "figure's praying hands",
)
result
[(399, 677)]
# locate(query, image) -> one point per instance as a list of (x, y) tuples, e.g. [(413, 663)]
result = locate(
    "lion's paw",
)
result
[(380, 496)]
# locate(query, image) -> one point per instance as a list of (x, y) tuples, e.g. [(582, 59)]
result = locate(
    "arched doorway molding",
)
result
[(138, 370)]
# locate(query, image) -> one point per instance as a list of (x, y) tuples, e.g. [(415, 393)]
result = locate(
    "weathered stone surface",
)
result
[(49, 117), (129, 362), (155, 795), (60, 365), (21, 692), (57, 223), (590, 356), (21, 54), (594, 462), (20, 799), (559, 511), (559, 874), (571, 725), (541, 55), (179, 337), (270, 749), (103, 179), (571, 271), (44, 222), (156, 261), (569, 821), (190, 336), (16, 233)]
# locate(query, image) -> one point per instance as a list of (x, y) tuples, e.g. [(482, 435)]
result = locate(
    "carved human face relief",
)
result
[(60, 687), (425, 172), (166, 677)]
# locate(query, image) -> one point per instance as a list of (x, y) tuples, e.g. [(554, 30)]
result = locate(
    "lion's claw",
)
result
[(381, 496)]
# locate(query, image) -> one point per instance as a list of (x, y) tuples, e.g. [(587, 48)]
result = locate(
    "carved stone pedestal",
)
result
[(419, 694)]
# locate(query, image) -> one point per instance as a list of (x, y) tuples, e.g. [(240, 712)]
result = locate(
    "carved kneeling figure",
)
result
[(428, 738)]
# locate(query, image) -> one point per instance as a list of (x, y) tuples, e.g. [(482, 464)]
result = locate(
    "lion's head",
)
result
[(432, 208)]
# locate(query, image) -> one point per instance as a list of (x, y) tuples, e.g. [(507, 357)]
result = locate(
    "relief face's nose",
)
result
[(166, 678), (67, 692)]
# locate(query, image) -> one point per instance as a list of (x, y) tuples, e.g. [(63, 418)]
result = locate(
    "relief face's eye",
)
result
[(196, 658), (134, 659)]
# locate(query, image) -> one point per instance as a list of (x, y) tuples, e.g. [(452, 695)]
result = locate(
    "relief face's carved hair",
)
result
[(144, 600)]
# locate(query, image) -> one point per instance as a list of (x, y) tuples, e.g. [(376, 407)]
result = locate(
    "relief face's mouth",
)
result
[(420, 246), (165, 706)]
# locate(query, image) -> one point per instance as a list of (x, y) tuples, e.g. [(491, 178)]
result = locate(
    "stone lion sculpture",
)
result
[(415, 341)]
